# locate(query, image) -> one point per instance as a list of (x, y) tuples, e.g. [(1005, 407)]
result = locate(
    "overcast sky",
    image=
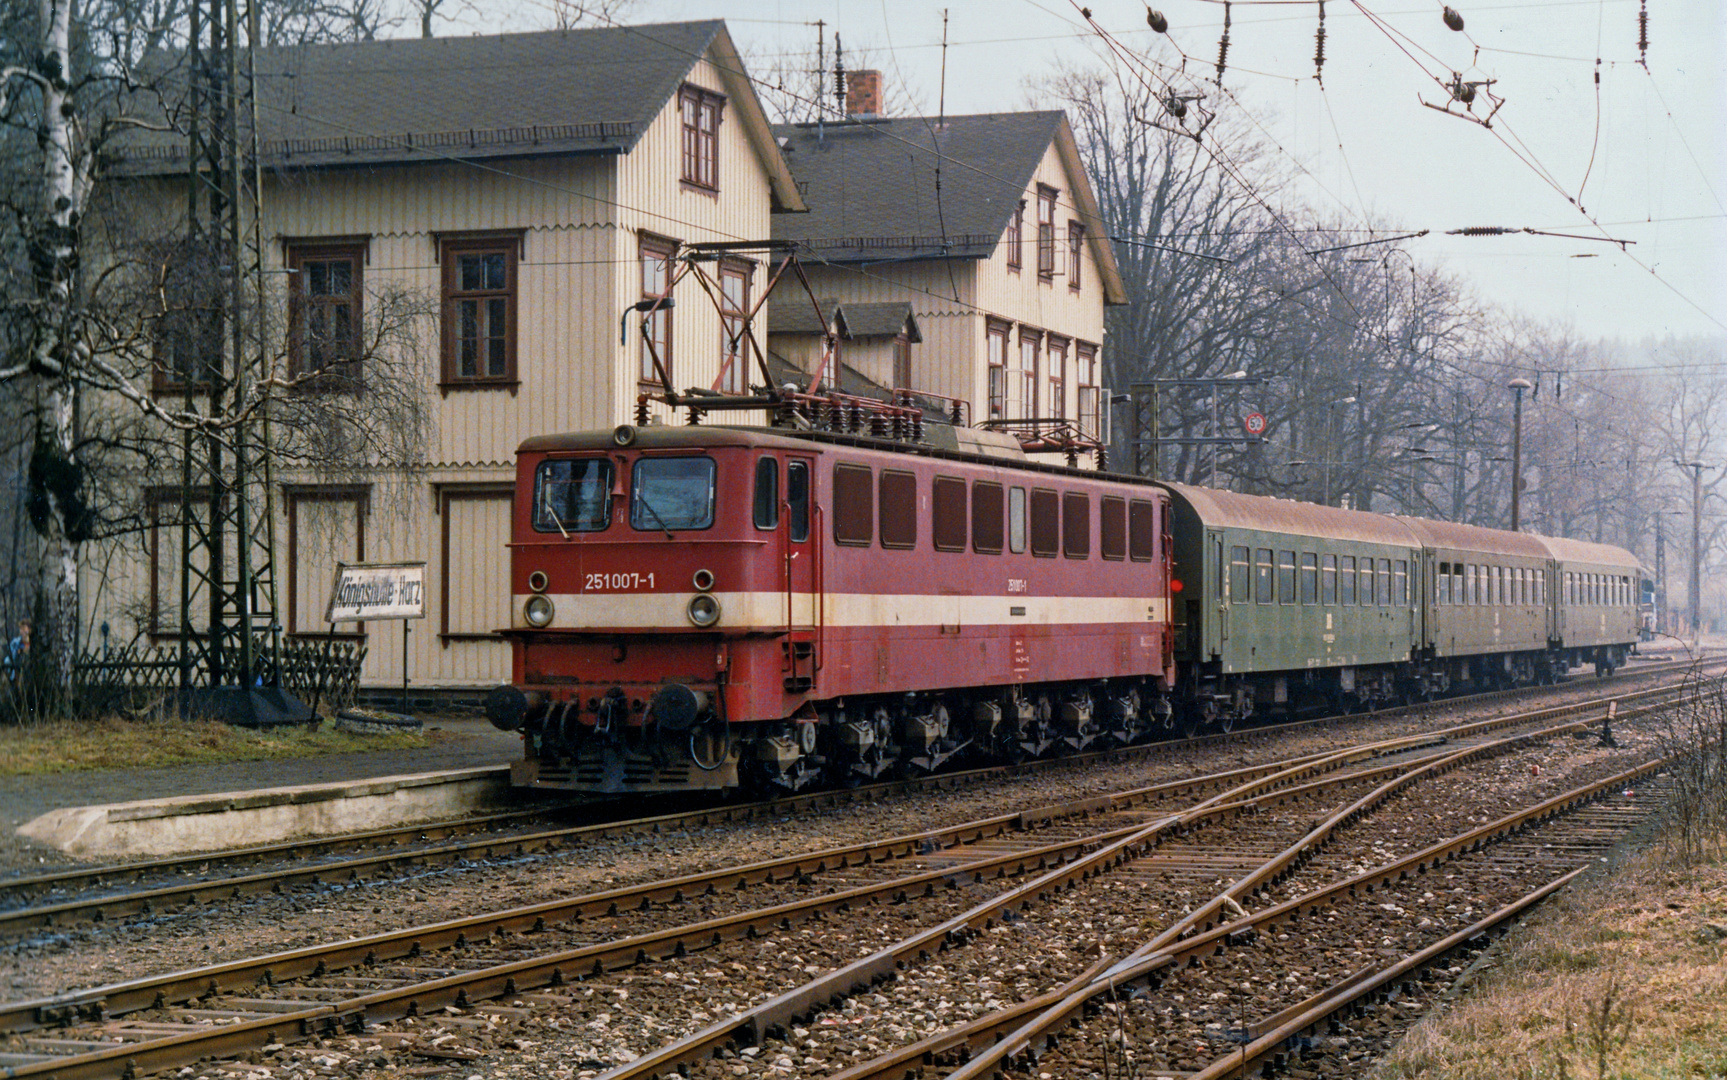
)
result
[(1649, 165)]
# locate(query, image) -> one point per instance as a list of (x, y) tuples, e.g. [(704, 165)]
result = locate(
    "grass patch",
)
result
[(1623, 978), (73, 746)]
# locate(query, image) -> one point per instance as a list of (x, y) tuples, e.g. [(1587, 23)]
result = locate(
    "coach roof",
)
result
[(1231, 509), (1460, 537)]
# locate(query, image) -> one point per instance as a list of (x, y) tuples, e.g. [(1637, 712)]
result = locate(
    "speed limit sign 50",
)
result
[(1254, 423)]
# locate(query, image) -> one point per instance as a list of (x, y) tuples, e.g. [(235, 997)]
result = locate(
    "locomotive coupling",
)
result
[(508, 706)]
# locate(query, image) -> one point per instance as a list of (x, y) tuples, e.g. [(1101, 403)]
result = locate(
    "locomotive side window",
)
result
[(1309, 578), (1346, 578), (1328, 580), (798, 500), (1076, 525), (1286, 577), (898, 509), (1045, 523), (854, 509), (1016, 520), (1263, 582), (668, 494), (1142, 534), (947, 513), (986, 511), (1112, 528), (1240, 576), (573, 495), (767, 498)]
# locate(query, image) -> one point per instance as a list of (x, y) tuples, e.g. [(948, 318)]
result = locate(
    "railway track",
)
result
[(54, 902), (956, 884)]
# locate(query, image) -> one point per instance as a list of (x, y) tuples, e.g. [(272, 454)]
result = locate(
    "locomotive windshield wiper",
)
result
[(642, 500)]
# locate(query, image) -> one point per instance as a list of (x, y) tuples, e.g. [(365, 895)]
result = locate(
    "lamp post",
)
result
[(1517, 386), (1331, 440), (1696, 598)]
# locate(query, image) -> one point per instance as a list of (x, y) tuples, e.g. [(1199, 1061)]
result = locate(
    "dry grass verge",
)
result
[(75, 745), (1626, 977)]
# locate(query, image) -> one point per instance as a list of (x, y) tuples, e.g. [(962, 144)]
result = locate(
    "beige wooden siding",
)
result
[(473, 588), (324, 528)]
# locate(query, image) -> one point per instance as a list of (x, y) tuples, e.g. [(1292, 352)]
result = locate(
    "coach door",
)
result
[(803, 595)]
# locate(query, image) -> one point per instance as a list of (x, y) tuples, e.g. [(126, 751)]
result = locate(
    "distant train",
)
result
[(723, 607)]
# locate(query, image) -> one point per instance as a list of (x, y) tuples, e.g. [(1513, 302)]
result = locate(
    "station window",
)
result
[(1076, 525), (1240, 576), (1309, 578), (1142, 531), (898, 509), (1112, 528), (1016, 520), (986, 511), (767, 499), (1286, 577), (947, 513), (798, 500), (1346, 579), (854, 506), (1400, 583), (1263, 582), (1045, 523)]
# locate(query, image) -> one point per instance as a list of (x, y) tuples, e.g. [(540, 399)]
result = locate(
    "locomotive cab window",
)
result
[(986, 518), (854, 506), (1045, 523), (798, 500), (898, 509), (669, 494), (573, 495), (1142, 533), (1112, 528), (947, 513), (1240, 576), (767, 494), (1076, 525)]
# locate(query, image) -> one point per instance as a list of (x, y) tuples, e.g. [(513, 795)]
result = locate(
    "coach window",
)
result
[(986, 511), (1328, 580), (1264, 584), (1309, 578), (1400, 583), (1076, 525), (1346, 581), (1112, 528), (798, 500), (1240, 576), (1469, 593), (1364, 591), (767, 501), (1496, 589), (947, 513), (1286, 577), (1016, 520), (854, 510), (1045, 523), (898, 509), (1142, 532), (1384, 583), (1442, 584)]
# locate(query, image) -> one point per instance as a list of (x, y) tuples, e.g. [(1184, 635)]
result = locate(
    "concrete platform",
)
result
[(190, 823)]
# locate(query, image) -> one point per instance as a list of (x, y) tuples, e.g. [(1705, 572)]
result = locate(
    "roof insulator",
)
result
[(1452, 19), (1156, 21)]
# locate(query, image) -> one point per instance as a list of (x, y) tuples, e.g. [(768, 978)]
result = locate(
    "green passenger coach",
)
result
[(1284, 604)]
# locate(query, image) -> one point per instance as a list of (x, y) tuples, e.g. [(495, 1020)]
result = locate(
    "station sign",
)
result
[(365, 591)]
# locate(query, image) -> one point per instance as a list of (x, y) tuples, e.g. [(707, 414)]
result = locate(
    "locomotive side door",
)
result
[(802, 576)]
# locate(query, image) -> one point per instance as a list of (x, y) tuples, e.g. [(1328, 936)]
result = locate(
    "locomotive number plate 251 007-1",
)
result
[(604, 582)]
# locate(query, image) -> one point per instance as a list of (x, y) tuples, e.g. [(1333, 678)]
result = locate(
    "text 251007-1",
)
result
[(608, 582)]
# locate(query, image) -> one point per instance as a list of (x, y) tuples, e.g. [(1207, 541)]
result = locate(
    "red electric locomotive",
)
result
[(711, 607)]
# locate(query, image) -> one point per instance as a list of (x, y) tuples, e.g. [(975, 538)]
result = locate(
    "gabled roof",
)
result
[(794, 314), (411, 100), (871, 186)]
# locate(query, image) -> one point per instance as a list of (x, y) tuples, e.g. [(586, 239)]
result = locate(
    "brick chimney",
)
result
[(863, 93)]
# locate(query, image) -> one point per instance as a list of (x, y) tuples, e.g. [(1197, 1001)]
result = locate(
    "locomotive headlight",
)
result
[(704, 610), (538, 610)]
